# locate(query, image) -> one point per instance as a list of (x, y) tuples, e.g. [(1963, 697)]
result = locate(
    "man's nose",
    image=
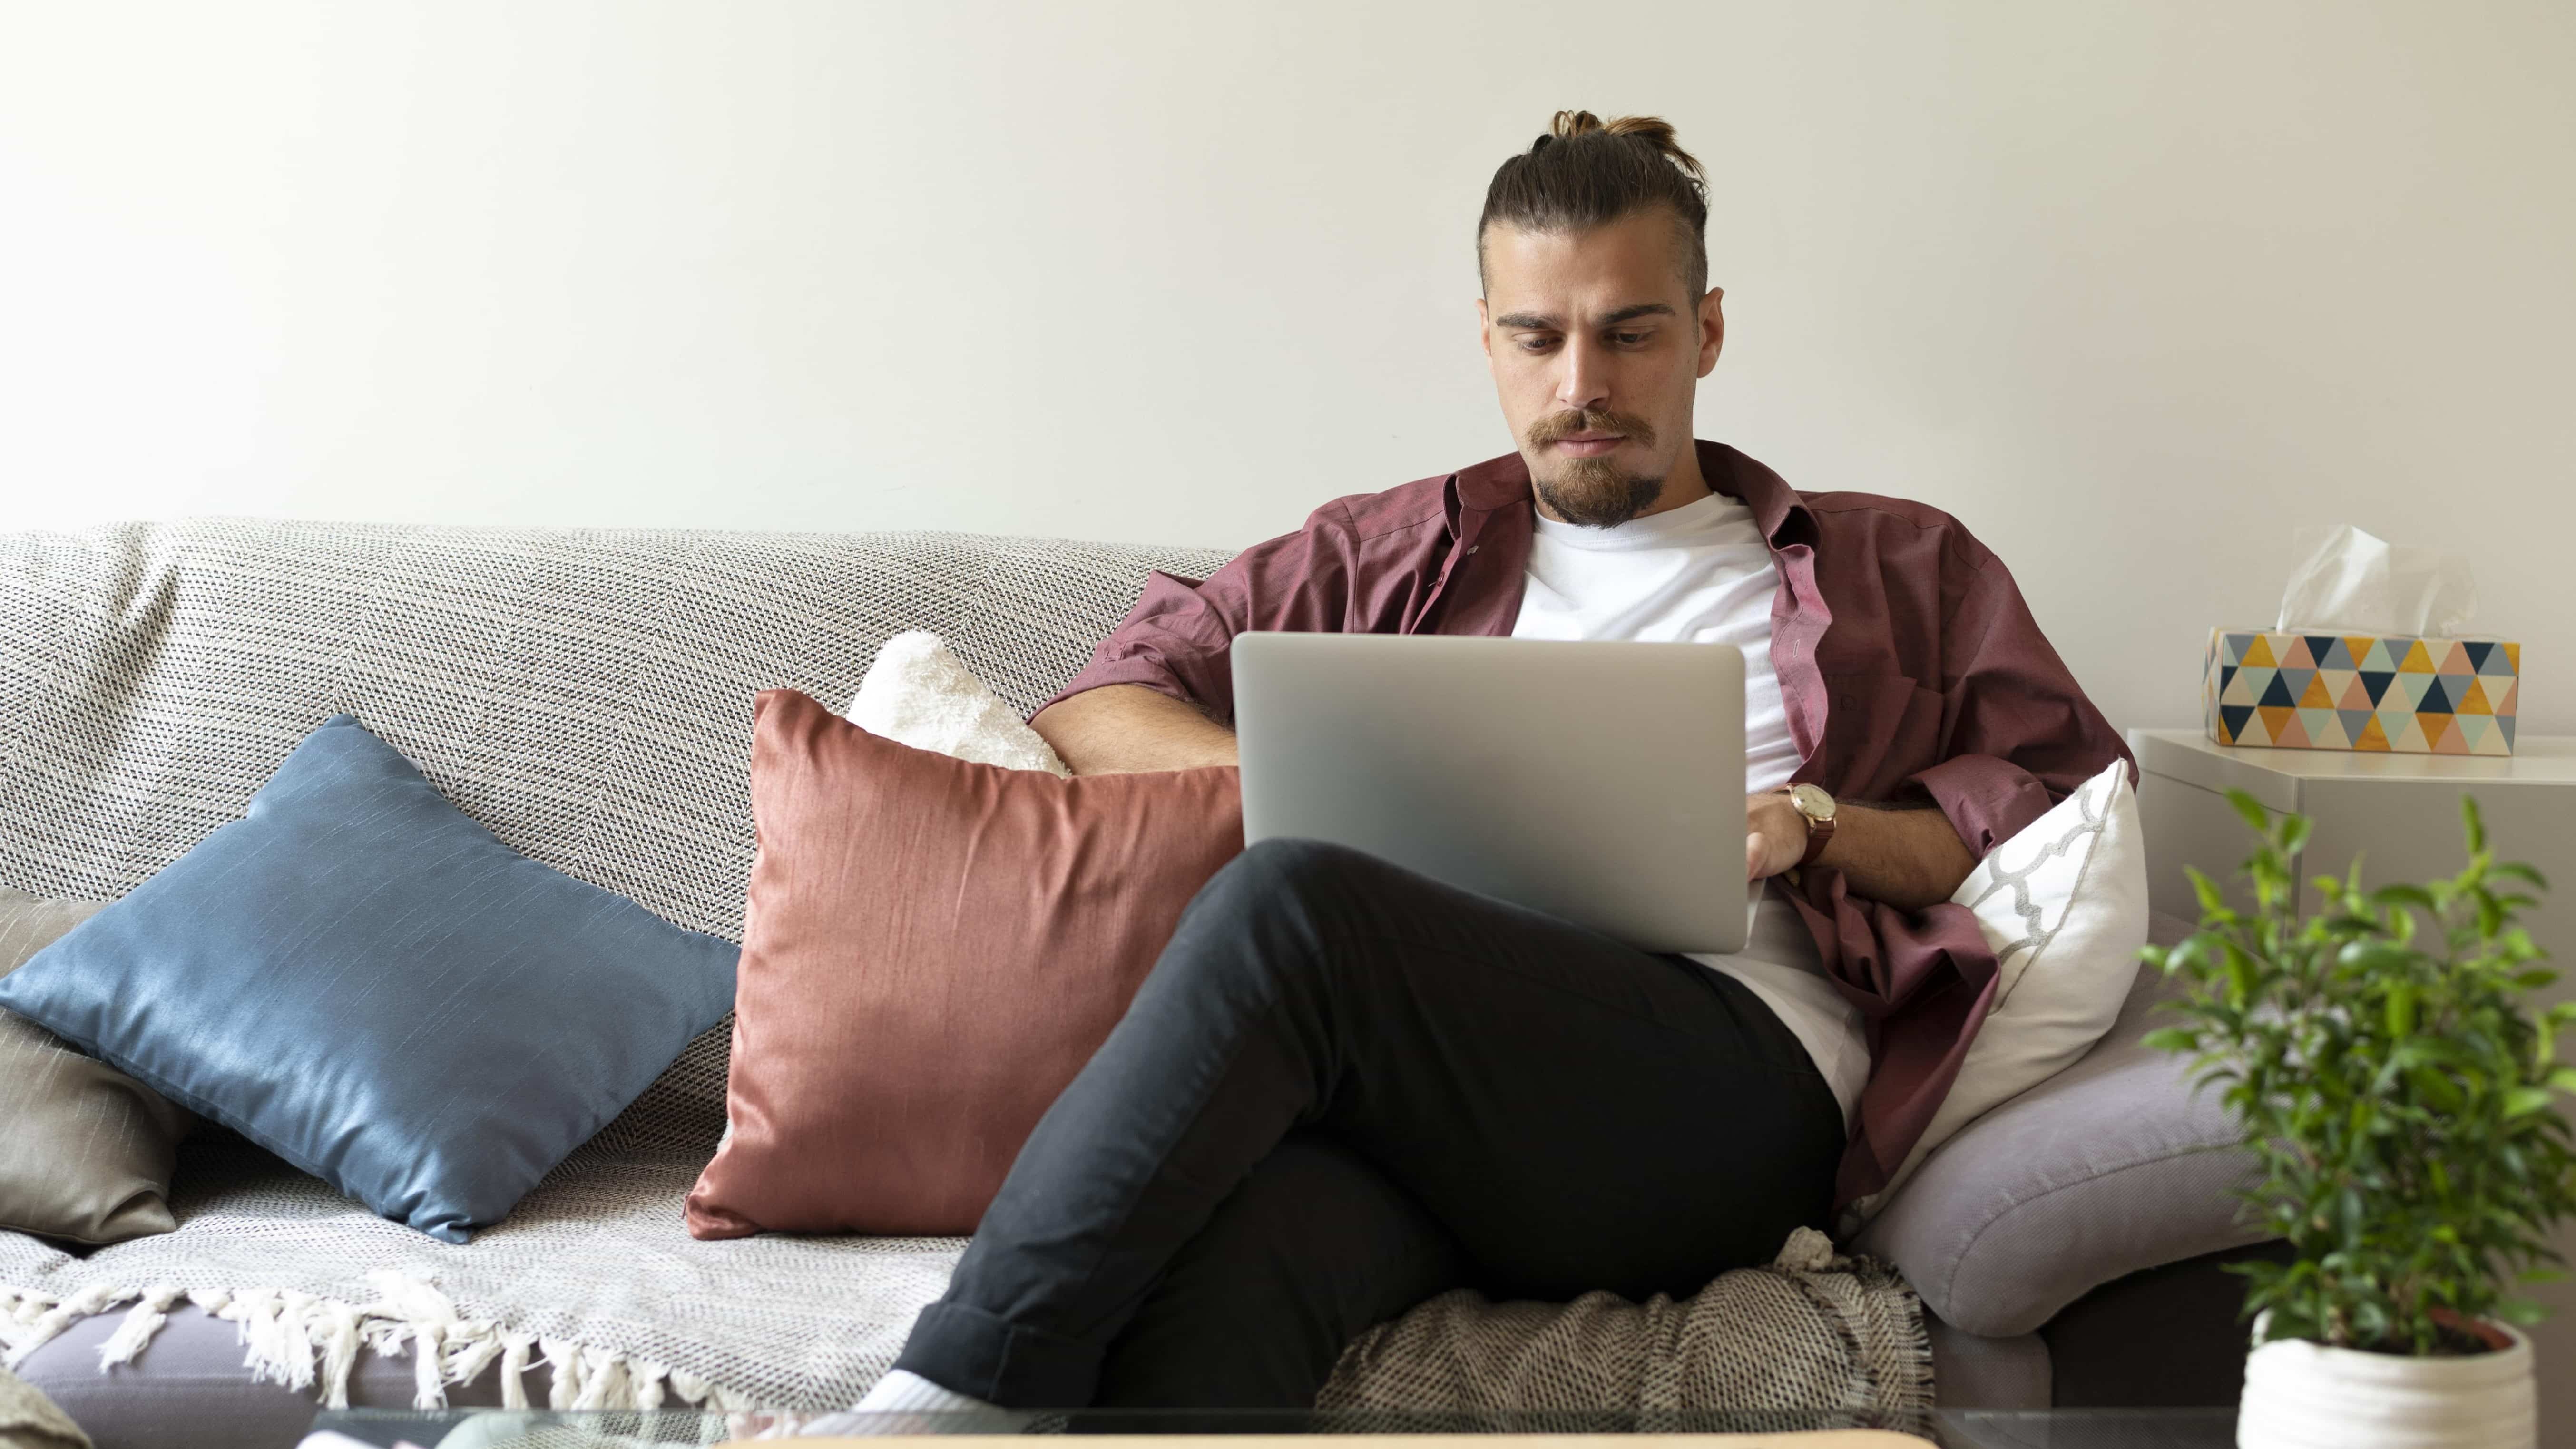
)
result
[(1585, 382)]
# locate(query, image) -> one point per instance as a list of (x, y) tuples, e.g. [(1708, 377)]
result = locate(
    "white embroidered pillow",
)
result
[(917, 693), (2064, 906)]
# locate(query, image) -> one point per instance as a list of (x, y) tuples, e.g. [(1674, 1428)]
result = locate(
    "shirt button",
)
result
[(1471, 548)]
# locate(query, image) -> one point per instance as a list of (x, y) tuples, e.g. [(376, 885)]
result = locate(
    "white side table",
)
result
[(2401, 814)]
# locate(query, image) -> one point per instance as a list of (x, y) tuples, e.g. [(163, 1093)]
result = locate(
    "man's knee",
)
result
[(1283, 874), (1271, 917)]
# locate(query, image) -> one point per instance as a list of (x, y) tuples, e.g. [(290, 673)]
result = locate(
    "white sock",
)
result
[(902, 1390)]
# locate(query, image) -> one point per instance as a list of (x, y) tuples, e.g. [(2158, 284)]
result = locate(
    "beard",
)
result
[(1594, 492)]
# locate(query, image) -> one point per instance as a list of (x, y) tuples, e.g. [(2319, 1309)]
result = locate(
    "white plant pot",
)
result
[(2303, 1395)]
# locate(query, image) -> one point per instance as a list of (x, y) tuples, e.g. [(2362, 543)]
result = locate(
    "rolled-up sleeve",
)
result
[(2021, 734), (1179, 638)]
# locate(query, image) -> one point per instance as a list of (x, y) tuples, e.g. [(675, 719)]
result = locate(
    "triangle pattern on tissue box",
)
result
[(2361, 692)]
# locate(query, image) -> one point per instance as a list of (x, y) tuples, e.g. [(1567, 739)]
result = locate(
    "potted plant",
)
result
[(2399, 1096)]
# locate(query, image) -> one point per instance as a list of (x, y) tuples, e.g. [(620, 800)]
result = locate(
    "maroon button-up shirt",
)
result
[(1911, 669)]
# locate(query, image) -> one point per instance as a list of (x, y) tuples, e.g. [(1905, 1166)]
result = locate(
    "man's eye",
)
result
[(1536, 344), (1630, 339)]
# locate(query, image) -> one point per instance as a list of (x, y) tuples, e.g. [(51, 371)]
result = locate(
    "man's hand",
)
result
[(1775, 835), (1906, 858)]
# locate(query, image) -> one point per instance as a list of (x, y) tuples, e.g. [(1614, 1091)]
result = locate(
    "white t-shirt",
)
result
[(1702, 574)]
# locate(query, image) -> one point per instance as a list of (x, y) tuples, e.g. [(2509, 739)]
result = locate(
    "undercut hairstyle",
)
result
[(1587, 172)]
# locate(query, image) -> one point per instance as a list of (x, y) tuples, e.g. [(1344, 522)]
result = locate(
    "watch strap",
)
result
[(1818, 832)]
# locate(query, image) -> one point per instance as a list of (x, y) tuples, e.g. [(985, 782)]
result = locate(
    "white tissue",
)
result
[(2348, 582)]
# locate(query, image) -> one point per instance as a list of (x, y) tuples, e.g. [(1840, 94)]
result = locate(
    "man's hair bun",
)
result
[(1585, 172)]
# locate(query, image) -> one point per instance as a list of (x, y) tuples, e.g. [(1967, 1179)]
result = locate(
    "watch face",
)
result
[(1812, 802)]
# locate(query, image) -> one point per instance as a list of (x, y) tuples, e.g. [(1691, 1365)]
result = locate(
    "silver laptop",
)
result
[(1599, 782)]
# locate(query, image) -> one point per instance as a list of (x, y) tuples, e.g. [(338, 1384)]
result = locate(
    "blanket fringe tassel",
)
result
[(311, 1344)]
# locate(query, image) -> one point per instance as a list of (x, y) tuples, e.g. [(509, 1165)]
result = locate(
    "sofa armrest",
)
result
[(2113, 1165)]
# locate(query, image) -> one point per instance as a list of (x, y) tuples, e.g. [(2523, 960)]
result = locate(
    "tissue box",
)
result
[(2360, 692)]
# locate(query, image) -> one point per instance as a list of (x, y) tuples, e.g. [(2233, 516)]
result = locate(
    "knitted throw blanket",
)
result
[(586, 694)]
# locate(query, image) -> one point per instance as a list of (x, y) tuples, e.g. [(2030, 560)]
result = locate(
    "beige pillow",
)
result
[(89, 1150)]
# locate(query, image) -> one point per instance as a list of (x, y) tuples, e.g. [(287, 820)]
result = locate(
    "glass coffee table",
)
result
[(1949, 1428)]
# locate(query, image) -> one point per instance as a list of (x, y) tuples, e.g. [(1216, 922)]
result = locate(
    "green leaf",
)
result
[(2523, 1101), (2521, 872), (2240, 976), (2401, 1011), (2251, 809), (2564, 1079), (2178, 1039), (2376, 958), (2403, 895), (2477, 828)]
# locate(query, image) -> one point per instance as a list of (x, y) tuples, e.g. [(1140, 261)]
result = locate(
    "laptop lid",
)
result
[(1599, 782)]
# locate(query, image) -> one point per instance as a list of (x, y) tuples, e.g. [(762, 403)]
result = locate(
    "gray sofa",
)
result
[(2067, 1244)]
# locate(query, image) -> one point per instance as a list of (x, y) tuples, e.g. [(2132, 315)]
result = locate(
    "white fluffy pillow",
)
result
[(2064, 905), (918, 694)]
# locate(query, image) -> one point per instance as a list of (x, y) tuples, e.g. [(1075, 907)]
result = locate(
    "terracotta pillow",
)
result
[(933, 949)]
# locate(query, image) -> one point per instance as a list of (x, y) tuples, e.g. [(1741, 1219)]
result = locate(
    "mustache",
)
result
[(1558, 426)]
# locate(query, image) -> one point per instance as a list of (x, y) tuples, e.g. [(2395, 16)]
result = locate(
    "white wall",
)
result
[(2134, 289)]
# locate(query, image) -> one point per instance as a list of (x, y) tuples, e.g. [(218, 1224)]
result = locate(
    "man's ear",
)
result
[(1712, 329), (1485, 330)]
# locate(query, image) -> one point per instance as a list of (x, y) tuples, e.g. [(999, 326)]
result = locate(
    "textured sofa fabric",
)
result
[(2109, 1167)]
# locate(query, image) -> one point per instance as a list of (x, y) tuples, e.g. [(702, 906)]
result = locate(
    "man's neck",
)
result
[(1683, 486)]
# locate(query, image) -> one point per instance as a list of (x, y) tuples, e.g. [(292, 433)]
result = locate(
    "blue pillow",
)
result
[(370, 985)]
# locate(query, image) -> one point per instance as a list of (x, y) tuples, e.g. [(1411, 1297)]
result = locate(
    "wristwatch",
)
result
[(1817, 808)]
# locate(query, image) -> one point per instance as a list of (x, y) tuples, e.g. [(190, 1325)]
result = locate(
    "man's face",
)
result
[(1597, 349)]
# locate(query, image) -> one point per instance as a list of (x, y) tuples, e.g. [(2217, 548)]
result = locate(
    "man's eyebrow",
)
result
[(1534, 322), (1642, 309)]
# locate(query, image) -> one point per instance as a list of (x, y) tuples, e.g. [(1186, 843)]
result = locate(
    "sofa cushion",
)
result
[(2111, 1166), (365, 982), (88, 1150), (933, 948)]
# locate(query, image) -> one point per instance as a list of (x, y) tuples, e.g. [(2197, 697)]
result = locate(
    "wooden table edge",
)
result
[(1797, 1439)]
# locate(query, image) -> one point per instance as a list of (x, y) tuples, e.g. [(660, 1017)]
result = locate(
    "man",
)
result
[(1346, 1088)]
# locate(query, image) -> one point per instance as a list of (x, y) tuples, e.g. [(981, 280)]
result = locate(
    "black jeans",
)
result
[(1344, 1089)]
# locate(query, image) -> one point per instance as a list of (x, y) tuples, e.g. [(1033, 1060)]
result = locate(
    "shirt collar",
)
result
[(1504, 481)]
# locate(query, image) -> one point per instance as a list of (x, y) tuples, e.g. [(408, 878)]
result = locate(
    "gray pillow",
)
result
[(88, 1151)]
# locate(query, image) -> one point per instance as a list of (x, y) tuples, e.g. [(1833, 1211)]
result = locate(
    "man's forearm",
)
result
[(1125, 728), (1907, 858)]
